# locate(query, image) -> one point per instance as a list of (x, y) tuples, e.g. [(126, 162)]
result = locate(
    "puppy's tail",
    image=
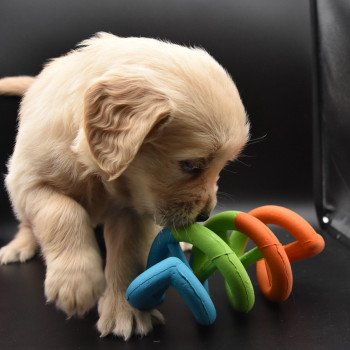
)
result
[(15, 86)]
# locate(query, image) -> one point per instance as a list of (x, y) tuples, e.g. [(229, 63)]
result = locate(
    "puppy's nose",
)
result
[(202, 217)]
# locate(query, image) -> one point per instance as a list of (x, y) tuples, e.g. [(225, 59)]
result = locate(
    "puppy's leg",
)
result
[(128, 238), (22, 248), (74, 276)]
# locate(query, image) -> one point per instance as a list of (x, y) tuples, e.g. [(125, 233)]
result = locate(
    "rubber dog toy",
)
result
[(147, 290), (214, 249), (273, 260), (238, 285)]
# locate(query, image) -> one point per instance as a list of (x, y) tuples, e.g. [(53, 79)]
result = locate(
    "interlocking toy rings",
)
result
[(238, 284), (214, 248), (280, 277), (148, 289)]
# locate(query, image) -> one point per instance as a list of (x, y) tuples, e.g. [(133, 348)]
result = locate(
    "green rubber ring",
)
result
[(237, 241), (219, 224), (220, 256)]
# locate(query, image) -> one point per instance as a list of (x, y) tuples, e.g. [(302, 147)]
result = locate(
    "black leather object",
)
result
[(266, 46), (332, 115)]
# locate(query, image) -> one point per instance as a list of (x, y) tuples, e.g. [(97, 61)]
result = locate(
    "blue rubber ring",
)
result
[(147, 290)]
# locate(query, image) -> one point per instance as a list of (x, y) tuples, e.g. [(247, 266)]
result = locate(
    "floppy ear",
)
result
[(120, 112)]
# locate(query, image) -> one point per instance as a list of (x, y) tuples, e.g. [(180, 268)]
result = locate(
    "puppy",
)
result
[(130, 133)]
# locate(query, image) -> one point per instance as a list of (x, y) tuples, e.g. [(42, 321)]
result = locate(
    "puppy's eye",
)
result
[(190, 167)]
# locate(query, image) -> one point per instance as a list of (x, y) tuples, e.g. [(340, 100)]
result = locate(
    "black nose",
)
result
[(202, 217)]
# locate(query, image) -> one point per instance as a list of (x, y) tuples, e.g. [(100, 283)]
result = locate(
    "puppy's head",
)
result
[(161, 133)]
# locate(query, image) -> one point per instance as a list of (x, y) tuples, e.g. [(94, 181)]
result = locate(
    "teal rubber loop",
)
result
[(148, 290)]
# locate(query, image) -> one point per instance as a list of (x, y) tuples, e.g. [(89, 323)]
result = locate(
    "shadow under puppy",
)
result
[(127, 132)]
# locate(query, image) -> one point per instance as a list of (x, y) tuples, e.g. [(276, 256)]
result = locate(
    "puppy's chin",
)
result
[(177, 223), (163, 218)]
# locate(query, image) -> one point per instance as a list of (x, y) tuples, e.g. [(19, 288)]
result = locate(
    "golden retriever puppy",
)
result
[(130, 133)]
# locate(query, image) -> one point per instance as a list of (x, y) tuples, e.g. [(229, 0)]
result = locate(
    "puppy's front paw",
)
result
[(74, 284), (18, 250), (119, 318)]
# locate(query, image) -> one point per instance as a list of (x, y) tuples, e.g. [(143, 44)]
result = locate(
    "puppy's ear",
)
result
[(120, 113)]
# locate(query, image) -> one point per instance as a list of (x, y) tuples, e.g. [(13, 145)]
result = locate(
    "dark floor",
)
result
[(316, 316)]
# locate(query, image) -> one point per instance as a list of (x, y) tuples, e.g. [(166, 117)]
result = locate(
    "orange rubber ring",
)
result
[(309, 243), (274, 271)]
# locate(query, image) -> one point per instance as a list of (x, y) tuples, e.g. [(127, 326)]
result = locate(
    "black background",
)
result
[(266, 46)]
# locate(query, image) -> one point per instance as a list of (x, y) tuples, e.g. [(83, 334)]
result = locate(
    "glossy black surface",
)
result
[(267, 47), (316, 315)]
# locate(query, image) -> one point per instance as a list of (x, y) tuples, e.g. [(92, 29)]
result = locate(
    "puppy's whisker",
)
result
[(229, 171), (256, 140), (219, 206), (226, 195), (243, 155), (240, 161)]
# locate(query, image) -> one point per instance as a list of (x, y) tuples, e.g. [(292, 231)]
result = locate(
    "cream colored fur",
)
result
[(15, 85), (102, 134)]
